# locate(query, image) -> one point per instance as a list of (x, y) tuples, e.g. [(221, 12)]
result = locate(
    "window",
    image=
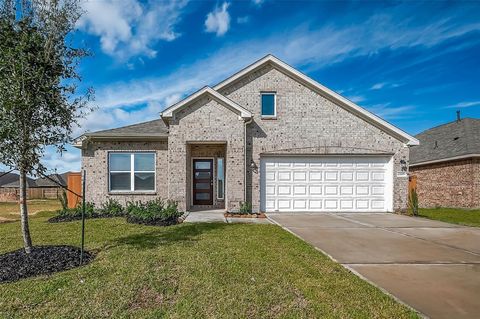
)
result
[(268, 104), (220, 178), (131, 172)]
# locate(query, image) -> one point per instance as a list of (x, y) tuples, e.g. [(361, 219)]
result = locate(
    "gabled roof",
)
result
[(149, 128), (16, 183), (168, 113), (322, 90), (454, 140), (6, 178)]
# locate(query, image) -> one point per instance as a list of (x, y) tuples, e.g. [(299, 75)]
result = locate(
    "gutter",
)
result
[(447, 159)]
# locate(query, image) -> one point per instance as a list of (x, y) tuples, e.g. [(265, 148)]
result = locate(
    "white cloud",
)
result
[(356, 98), (218, 21), (127, 28), (243, 20), (258, 2), (119, 101), (378, 86), (388, 112), (465, 104)]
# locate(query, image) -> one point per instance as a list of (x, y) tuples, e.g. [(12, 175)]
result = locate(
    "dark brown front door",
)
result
[(202, 182)]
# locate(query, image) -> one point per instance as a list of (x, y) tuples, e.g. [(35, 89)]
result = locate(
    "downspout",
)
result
[(245, 159)]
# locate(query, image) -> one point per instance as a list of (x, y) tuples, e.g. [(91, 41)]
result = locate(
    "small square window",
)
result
[(268, 104)]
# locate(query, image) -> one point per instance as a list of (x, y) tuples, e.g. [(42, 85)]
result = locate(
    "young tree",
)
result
[(39, 100)]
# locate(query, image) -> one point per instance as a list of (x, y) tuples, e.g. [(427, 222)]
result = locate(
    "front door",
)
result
[(202, 182)]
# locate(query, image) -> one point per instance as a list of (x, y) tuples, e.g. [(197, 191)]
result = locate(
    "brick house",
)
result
[(446, 165), (267, 135)]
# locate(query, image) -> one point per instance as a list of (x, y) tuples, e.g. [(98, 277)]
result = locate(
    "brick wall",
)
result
[(449, 184), (95, 161), (206, 121), (308, 123)]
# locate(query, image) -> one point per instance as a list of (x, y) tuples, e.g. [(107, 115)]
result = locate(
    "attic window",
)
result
[(269, 108)]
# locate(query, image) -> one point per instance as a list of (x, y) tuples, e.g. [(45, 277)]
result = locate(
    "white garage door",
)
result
[(326, 184)]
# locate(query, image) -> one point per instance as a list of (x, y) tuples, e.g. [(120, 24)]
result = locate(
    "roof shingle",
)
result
[(453, 139)]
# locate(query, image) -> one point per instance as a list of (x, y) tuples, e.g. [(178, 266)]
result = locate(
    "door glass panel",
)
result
[(202, 175), (202, 196), (202, 165), (202, 185), (220, 178)]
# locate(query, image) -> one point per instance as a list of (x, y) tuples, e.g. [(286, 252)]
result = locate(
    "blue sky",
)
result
[(412, 63)]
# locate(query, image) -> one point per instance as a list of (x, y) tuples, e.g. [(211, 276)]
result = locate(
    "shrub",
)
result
[(111, 208), (245, 208), (63, 200), (154, 212), (413, 202)]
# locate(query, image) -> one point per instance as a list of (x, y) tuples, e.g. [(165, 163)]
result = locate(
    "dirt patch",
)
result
[(43, 260), (147, 298)]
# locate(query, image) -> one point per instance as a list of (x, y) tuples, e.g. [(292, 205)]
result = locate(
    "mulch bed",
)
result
[(43, 260), (154, 222), (237, 215)]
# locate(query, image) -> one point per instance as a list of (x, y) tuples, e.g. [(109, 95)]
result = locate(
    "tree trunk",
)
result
[(27, 241)]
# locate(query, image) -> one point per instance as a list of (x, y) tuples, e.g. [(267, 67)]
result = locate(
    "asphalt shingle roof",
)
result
[(150, 128), (448, 140)]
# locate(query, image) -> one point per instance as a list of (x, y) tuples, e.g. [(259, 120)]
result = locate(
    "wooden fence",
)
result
[(35, 193), (74, 183)]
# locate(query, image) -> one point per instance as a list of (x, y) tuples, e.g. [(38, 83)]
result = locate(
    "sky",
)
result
[(412, 63)]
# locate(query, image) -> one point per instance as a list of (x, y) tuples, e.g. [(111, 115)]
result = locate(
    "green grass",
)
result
[(11, 211), (453, 215), (189, 271)]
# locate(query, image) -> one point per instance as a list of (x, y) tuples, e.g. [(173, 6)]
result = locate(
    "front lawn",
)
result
[(11, 211), (189, 270), (453, 215)]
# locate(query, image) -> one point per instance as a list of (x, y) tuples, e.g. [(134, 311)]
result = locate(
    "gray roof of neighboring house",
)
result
[(52, 181), (39, 182), (7, 178), (16, 183), (155, 128), (458, 138)]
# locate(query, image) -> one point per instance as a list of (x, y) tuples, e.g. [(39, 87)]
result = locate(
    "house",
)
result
[(49, 187), (446, 164), (268, 135)]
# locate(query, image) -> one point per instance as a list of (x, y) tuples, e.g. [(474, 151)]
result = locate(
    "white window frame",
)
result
[(216, 179), (274, 104), (132, 173)]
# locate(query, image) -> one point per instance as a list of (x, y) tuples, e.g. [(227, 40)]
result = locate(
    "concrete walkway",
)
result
[(216, 216), (432, 266)]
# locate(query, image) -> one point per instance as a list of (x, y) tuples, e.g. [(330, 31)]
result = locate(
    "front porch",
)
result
[(205, 176)]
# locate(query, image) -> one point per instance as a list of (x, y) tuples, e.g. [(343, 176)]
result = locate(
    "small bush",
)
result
[(111, 208), (63, 200), (413, 202), (68, 214), (245, 208), (154, 212)]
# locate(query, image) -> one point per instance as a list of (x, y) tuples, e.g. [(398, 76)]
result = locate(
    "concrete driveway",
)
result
[(432, 266)]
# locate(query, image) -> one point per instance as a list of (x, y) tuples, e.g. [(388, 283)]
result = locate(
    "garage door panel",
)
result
[(332, 184)]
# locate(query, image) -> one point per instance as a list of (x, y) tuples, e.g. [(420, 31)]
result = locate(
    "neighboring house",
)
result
[(268, 135), (446, 165), (50, 187), (6, 178)]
